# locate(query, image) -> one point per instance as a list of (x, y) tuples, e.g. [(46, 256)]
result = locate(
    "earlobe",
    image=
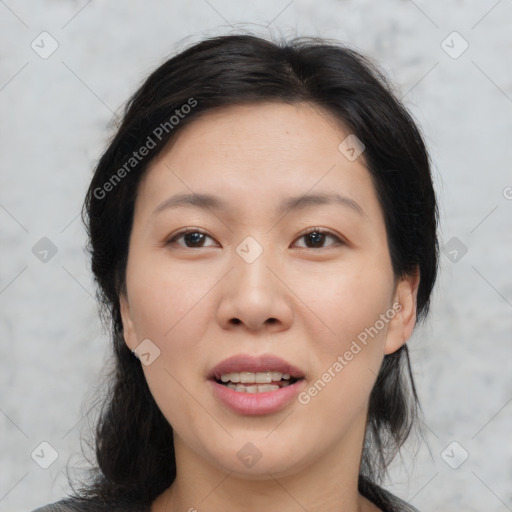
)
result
[(128, 326), (402, 325)]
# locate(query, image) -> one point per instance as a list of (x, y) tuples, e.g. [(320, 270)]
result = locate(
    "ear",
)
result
[(129, 333), (401, 326)]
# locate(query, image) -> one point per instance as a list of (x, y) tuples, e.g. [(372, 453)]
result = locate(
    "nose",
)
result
[(255, 297)]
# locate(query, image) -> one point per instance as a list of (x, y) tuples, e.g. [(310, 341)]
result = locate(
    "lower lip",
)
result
[(256, 403)]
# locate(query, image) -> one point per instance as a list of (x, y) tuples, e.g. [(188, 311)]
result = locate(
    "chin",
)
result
[(256, 459)]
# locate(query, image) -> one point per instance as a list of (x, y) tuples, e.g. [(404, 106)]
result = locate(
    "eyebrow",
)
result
[(210, 202)]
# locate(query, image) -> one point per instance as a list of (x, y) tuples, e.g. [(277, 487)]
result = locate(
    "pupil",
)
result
[(316, 237), (194, 238)]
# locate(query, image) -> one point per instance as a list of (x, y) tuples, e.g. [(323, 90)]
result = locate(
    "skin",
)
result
[(185, 299)]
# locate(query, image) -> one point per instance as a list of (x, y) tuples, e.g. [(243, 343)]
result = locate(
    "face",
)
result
[(286, 263)]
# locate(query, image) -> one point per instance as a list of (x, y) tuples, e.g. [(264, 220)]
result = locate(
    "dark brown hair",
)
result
[(134, 442)]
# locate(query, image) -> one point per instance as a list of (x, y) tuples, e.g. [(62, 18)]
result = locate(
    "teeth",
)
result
[(251, 378), (253, 389), (264, 378), (247, 377)]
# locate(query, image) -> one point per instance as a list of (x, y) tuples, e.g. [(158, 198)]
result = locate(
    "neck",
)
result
[(328, 484)]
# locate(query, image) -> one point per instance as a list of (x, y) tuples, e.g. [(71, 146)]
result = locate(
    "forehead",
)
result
[(258, 152), (263, 131)]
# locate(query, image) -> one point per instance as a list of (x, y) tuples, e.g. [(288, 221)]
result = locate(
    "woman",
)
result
[(263, 234)]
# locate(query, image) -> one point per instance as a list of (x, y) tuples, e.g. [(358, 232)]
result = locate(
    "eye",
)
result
[(194, 238), (316, 237)]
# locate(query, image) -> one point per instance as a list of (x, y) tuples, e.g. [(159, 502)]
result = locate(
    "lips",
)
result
[(255, 399), (247, 363)]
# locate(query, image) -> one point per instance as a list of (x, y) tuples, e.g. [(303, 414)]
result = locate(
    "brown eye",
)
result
[(315, 239), (192, 239)]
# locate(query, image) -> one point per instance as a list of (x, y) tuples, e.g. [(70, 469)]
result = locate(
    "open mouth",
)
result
[(256, 382), (251, 386)]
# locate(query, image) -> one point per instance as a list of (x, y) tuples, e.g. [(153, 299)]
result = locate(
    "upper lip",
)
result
[(254, 364)]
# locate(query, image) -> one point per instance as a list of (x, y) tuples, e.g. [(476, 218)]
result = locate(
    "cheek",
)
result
[(170, 308), (172, 392), (163, 298), (169, 305), (346, 301), (348, 339)]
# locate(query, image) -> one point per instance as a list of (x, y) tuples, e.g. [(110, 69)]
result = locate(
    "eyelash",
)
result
[(320, 231)]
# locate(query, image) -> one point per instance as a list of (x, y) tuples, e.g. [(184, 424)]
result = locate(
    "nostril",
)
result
[(238, 321)]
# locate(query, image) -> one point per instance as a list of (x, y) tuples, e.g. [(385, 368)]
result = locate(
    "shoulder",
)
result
[(62, 506), (68, 505), (383, 499), (91, 505)]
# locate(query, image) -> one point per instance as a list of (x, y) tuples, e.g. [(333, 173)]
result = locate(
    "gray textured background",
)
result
[(56, 116)]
